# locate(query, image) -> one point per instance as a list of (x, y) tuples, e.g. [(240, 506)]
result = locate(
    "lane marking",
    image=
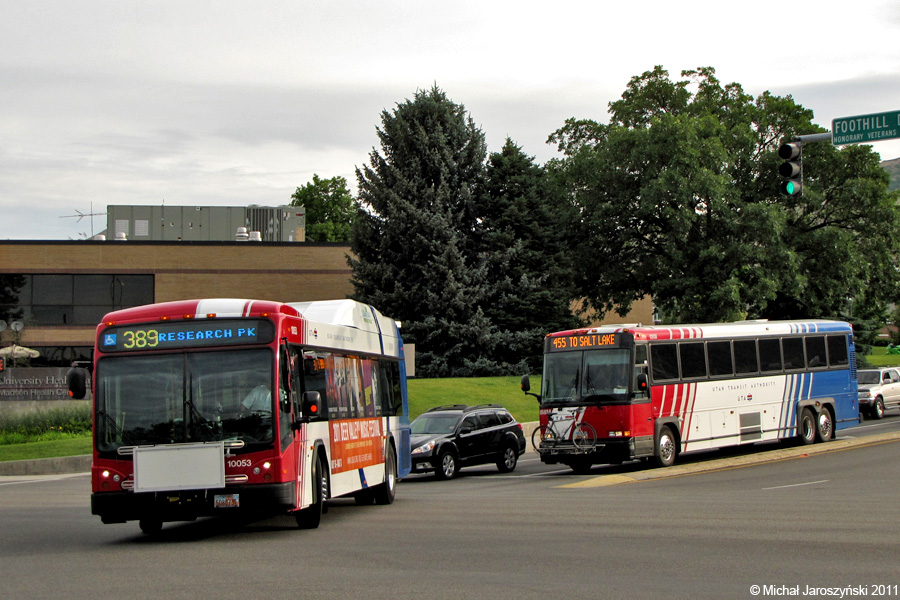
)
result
[(781, 487)]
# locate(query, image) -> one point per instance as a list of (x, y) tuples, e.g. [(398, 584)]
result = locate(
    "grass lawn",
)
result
[(426, 393), (423, 394), (51, 449), (880, 358)]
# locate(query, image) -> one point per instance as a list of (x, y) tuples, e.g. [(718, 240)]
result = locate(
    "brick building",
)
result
[(59, 290)]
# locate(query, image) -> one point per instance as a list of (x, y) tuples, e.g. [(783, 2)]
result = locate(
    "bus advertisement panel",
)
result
[(616, 393), (226, 406)]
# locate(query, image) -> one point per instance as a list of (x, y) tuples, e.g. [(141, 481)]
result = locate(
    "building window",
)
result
[(43, 300)]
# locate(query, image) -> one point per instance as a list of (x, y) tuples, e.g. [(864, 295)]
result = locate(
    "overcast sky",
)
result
[(200, 103)]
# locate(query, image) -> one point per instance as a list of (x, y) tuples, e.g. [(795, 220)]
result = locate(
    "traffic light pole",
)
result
[(813, 137)]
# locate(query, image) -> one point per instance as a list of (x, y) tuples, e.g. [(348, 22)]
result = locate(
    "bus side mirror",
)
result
[(312, 405), (642, 384), (76, 379), (526, 387)]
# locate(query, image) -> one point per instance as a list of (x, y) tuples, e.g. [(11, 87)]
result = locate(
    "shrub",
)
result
[(51, 424)]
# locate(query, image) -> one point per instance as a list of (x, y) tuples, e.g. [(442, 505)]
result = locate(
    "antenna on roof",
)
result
[(82, 215)]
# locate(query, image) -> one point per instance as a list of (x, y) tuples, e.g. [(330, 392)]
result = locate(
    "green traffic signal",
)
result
[(791, 187), (792, 168)]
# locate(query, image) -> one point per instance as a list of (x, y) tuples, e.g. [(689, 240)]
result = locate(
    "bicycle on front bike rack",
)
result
[(563, 431)]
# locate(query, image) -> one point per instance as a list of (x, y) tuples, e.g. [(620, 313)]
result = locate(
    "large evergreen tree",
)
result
[(415, 255), (678, 197), (522, 232)]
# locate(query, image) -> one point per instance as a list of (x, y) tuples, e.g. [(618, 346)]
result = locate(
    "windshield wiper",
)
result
[(201, 421), (115, 426)]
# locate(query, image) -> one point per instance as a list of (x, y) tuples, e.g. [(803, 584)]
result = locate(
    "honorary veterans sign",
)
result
[(865, 128)]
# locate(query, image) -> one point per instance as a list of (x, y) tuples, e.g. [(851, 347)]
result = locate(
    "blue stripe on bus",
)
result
[(362, 478)]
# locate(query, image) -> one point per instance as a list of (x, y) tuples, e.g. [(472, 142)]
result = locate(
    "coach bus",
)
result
[(615, 393), (231, 406)]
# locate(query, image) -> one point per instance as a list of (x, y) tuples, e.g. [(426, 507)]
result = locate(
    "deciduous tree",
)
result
[(678, 199)]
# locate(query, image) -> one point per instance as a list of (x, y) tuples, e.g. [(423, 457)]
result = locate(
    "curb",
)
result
[(47, 466), (736, 462)]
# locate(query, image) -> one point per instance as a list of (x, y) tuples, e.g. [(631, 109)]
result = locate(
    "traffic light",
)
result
[(791, 169)]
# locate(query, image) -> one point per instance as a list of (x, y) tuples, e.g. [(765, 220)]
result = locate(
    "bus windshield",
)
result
[(184, 397), (590, 376)]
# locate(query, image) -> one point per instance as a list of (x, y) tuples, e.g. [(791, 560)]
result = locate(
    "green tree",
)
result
[(678, 197), (522, 233), (415, 255), (329, 209)]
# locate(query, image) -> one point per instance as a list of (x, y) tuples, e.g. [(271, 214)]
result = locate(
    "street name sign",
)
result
[(865, 128)]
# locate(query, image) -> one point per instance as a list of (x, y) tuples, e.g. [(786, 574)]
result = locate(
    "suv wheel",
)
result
[(447, 466), (508, 462), (878, 408)]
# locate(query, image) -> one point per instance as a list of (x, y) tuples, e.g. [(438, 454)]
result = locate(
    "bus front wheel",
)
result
[(666, 447), (310, 517), (384, 493), (151, 526)]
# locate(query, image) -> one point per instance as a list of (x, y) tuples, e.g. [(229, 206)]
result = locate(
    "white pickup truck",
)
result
[(879, 389)]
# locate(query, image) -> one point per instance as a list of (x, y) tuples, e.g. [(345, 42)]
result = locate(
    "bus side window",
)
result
[(745, 359), (389, 379), (837, 351), (770, 355), (369, 388), (318, 373), (792, 349), (720, 359), (665, 361), (815, 352)]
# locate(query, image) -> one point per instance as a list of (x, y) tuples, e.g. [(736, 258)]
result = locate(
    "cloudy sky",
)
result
[(189, 102)]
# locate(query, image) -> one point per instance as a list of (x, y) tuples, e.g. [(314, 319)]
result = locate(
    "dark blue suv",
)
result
[(447, 438)]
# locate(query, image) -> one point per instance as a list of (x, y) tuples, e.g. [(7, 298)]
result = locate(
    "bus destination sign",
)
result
[(582, 341), (186, 334)]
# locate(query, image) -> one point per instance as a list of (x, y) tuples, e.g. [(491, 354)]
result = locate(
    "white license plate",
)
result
[(226, 500)]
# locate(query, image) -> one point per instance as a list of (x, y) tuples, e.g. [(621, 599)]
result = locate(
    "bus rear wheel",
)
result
[(806, 429), (824, 425)]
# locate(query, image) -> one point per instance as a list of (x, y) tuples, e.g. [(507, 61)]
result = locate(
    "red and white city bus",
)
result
[(615, 393), (230, 406)]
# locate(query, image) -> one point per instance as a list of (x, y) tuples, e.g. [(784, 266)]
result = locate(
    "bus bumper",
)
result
[(187, 505), (605, 451)]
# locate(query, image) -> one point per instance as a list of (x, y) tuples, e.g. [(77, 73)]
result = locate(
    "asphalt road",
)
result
[(713, 527)]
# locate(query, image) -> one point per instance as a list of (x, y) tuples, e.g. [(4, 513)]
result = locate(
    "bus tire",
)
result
[(151, 526), (311, 516), (824, 425), (806, 428), (384, 493), (666, 447), (581, 466)]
